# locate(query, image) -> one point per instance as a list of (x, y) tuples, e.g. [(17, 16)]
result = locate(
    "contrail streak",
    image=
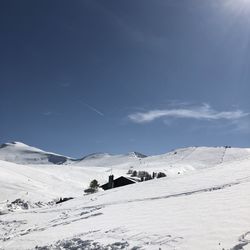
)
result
[(92, 108)]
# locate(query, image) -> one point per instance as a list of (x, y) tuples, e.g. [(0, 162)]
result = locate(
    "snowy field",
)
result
[(203, 203)]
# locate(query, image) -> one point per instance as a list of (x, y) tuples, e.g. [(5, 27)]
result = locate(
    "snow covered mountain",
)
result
[(185, 158), (205, 208), (34, 174), (203, 203), (21, 153)]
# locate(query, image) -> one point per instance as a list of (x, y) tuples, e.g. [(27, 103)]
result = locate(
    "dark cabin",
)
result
[(119, 182)]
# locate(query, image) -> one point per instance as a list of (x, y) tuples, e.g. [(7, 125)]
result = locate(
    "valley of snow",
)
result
[(203, 203)]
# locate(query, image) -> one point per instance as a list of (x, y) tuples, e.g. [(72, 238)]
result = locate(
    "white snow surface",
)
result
[(21, 153), (203, 203)]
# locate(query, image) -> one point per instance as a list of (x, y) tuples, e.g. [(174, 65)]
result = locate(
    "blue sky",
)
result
[(115, 76)]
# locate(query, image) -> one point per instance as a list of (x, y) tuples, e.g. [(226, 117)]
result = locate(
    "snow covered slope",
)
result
[(177, 161), (203, 209), (21, 153), (43, 182), (187, 158), (37, 179)]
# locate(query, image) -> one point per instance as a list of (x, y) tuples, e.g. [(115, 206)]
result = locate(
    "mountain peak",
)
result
[(19, 152), (136, 154), (17, 143)]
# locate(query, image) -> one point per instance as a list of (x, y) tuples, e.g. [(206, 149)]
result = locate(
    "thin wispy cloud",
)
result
[(48, 113), (203, 112), (92, 108)]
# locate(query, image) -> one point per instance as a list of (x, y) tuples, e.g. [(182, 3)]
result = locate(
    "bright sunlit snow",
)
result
[(203, 203)]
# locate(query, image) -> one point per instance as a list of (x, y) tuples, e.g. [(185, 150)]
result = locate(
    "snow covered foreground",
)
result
[(206, 206)]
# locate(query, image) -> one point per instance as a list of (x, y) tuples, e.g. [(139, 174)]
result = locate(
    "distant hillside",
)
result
[(21, 153), (34, 174), (185, 158)]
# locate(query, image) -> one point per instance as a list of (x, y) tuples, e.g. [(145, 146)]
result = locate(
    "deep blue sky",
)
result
[(85, 76)]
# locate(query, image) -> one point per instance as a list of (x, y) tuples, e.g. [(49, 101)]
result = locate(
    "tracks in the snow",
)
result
[(198, 191), (13, 229)]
